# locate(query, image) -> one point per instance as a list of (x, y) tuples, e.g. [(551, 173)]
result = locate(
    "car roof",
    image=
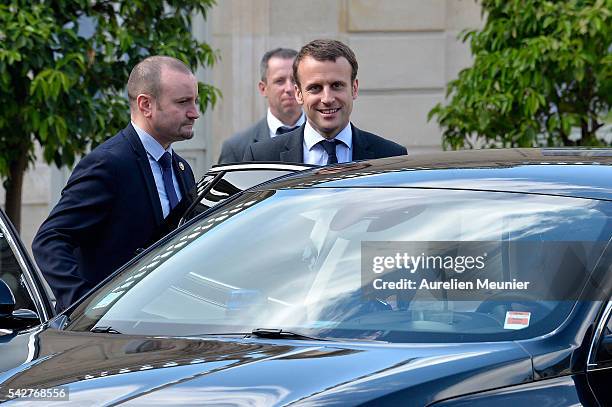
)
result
[(260, 165), (583, 173)]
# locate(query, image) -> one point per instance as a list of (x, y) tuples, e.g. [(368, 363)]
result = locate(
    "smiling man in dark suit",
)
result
[(118, 196), (284, 113), (325, 73)]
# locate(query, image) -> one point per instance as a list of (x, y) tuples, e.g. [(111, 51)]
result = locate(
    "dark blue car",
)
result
[(472, 278)]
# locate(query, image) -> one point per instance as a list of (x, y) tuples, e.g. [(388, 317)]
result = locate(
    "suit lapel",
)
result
[(262, 132), (179, 169), (362, 150), (293, 150), (145, 169)]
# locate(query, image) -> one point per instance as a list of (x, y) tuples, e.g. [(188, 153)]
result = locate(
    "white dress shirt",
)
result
[(274, 123), (154, 151), (314, 153)]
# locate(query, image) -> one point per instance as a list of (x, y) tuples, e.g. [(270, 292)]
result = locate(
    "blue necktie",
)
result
[(285, 129), (165, 162), (330, 149)]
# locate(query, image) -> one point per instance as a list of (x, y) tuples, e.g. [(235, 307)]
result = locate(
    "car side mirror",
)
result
[(11, 319), (7, 300)]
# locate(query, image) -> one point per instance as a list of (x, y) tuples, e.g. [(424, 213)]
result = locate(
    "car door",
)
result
[(222, 182), (599, 371), (18, 272)]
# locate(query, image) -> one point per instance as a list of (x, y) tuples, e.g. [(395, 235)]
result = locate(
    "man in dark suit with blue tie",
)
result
[(119, 195), (325, 74)]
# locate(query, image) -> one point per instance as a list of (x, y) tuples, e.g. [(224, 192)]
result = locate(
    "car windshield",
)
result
[(301, 260)]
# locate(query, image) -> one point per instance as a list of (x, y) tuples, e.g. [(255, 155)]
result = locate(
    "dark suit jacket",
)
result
[(289, 147), (109, 208), (233, 148)]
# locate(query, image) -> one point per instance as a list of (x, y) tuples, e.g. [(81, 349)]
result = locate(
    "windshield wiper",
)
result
[(282, 334), (104, 330)]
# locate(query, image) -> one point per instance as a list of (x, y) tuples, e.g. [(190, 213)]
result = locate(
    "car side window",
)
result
[(231, 183), (12, 274)]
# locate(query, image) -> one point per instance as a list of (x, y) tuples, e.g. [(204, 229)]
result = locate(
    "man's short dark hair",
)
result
[(146, 75), (283, 53), (325, 50)]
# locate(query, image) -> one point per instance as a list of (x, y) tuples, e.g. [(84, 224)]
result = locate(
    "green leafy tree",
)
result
[(63, 69), (541, 68)]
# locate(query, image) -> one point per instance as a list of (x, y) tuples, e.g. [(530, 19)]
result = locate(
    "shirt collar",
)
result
[(311, 137), (153, 148), (274, 123)]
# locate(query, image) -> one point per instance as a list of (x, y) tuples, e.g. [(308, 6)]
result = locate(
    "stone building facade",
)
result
[(407, 51)]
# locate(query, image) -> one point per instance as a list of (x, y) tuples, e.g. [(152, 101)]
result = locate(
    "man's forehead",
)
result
[(279, 66), (319, 68)]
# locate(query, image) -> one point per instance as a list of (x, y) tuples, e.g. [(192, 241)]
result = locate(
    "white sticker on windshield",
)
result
[(517, 319)]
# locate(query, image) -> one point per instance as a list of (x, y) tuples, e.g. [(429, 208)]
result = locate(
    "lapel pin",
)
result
[(181, 166)]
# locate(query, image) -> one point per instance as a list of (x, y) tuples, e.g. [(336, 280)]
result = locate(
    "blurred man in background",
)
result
[(284, 113)]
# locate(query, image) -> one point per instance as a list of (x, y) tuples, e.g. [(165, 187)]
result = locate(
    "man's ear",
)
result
[(298, 94), (262, 88), (145, 104), (355, 88)]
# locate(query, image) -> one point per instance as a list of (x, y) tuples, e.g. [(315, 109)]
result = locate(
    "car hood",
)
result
[(107, 369)]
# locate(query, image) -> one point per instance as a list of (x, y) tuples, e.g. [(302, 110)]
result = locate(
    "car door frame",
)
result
[(218, 172)]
